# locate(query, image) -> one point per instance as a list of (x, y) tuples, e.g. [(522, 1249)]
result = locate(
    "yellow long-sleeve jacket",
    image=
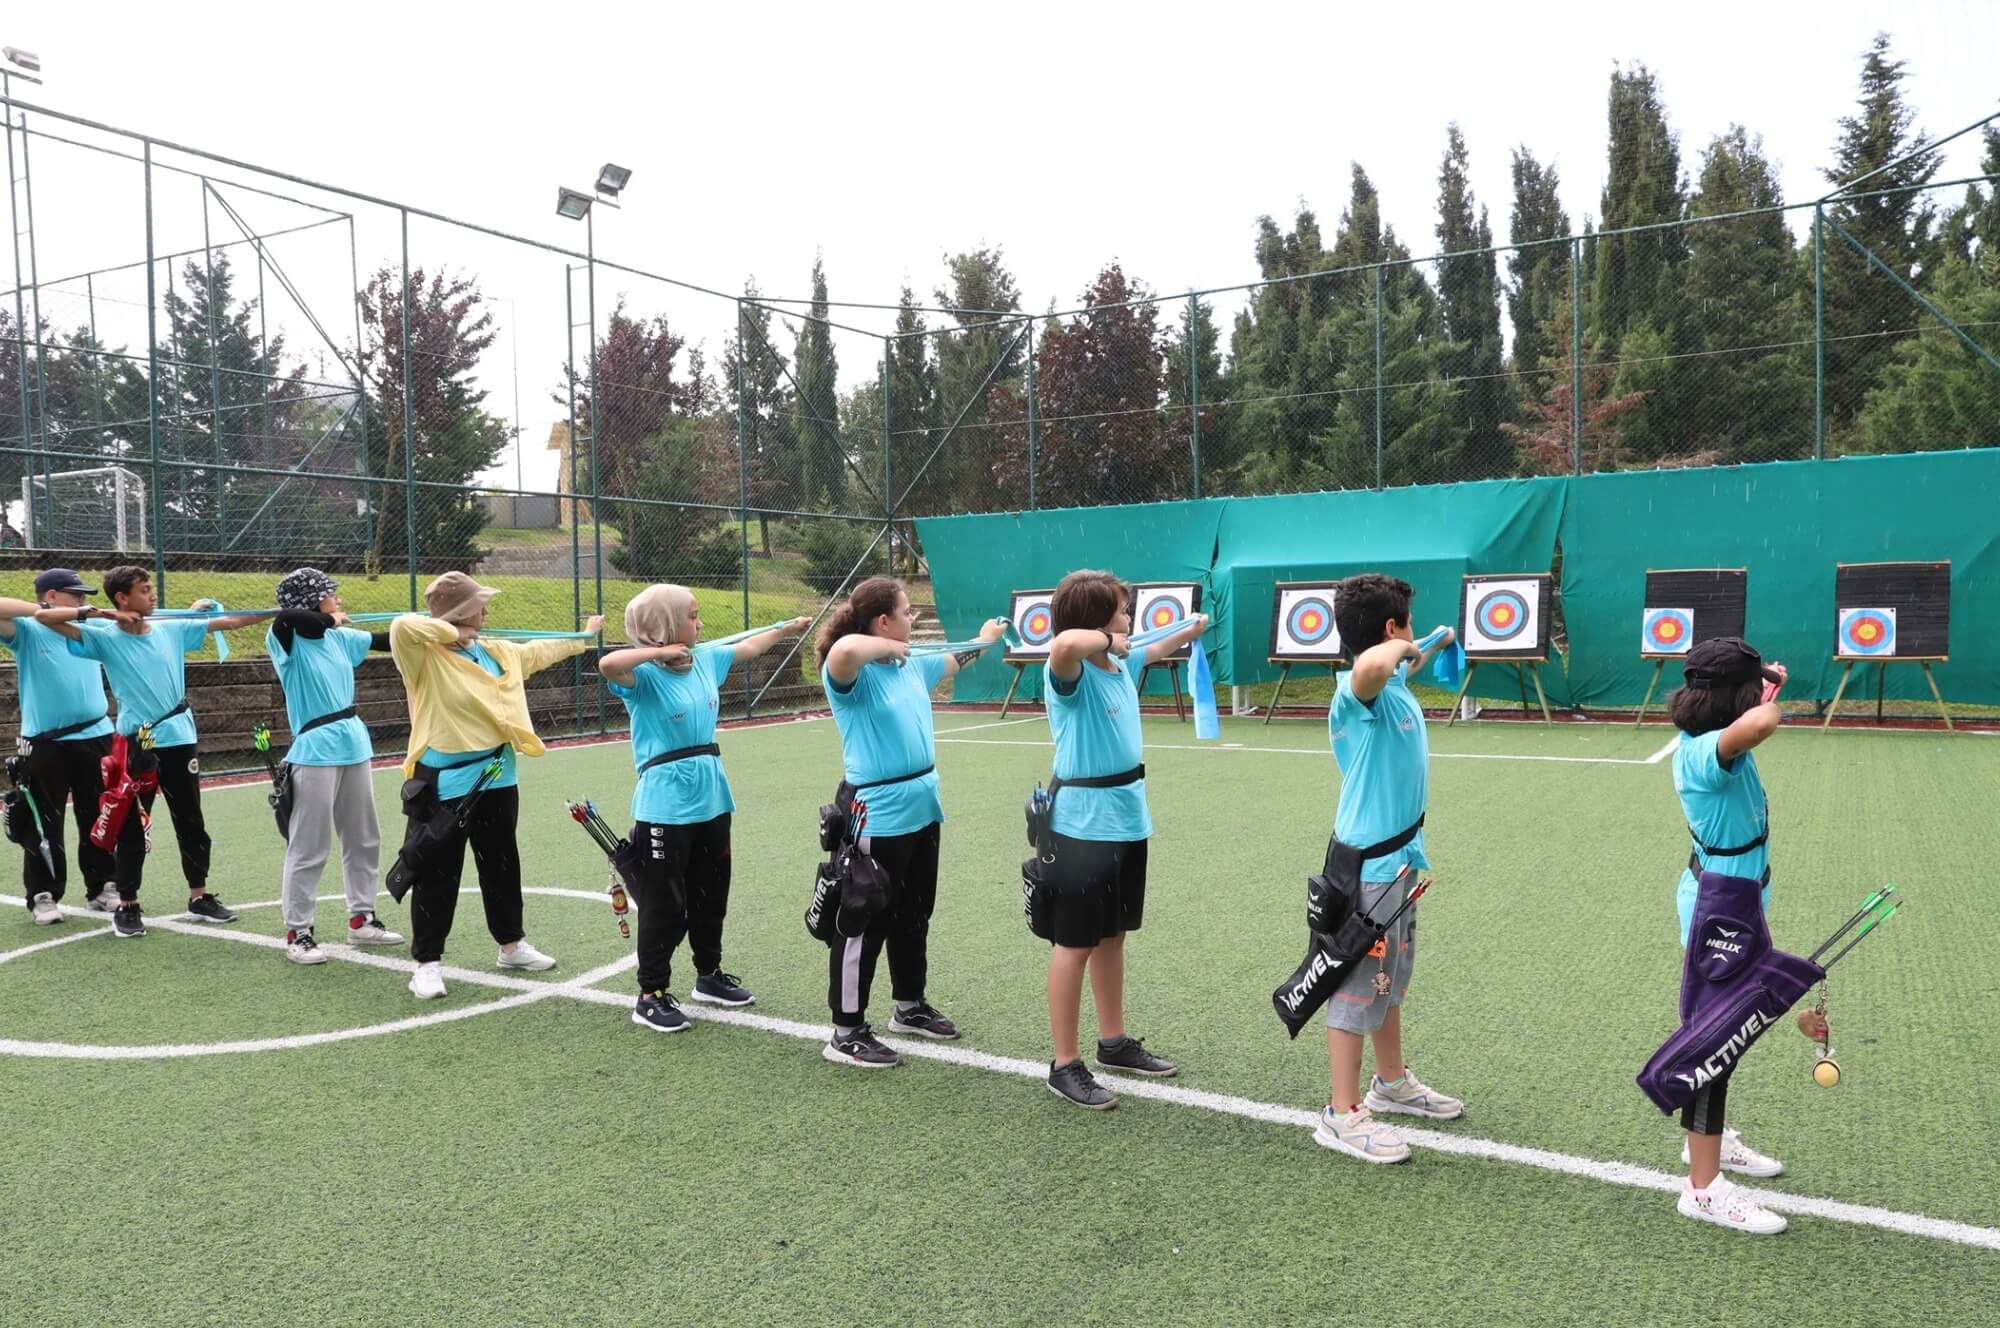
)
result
[(456, 706)]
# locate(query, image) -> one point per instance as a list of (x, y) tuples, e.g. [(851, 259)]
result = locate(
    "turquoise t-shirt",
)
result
[(884, 717), (1095, 724), (57, 688), (1724, 806), (670, 711), (457, 783), (148, 672), (1384, 754), (318, 678)]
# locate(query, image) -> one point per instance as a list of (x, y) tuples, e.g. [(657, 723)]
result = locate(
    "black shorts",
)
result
[(1099, 889)]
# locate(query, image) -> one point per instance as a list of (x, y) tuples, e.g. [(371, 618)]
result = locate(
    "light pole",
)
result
[(577, 205), (27, 66)]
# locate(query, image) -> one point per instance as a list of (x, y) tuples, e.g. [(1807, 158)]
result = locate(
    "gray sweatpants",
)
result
[(326, 798)]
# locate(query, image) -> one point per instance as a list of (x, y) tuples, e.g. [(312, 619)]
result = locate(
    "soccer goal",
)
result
[(103, 508)]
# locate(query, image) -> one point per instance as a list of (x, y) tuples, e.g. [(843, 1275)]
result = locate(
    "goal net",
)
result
[(104, 508)]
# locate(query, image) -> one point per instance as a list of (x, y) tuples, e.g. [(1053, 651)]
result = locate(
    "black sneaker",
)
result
[(924, 1020), (1076, 1083), (207, 908), (659, 1011), (125, 922), (720, 988), (1130, 1055), (860, 1048)]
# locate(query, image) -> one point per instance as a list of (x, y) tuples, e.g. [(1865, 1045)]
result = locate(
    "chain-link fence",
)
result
[(222, 371)]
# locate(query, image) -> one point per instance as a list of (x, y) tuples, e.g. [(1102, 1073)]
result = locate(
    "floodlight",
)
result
[(611, 179), (572, 204)]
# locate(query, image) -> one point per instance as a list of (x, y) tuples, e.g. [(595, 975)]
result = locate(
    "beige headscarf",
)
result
[(653, 617), (456, 597)]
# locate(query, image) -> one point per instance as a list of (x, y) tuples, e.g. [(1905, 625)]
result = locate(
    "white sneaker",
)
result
[(1359, 1134), (524, 956), (1728, 1204), (105, 902), (1409, 1096), (371, 932), (1740, 1157), (427, 983), (301, 948), (46, 912)]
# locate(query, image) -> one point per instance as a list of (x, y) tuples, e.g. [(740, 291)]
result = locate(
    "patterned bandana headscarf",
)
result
[(305, 588)]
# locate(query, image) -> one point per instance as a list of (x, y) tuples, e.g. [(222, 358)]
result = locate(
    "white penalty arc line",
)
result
[(1673, 744), (582, 988)]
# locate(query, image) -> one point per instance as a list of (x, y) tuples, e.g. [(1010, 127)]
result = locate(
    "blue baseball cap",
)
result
[(62, 578)]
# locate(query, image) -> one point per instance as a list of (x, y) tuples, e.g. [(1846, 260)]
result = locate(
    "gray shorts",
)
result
[(1357, 1007)]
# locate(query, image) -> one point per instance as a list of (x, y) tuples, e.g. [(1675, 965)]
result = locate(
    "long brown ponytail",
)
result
[(869, 601)]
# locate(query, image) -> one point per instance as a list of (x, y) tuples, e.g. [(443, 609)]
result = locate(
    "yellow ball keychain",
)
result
[(1813, 1023)]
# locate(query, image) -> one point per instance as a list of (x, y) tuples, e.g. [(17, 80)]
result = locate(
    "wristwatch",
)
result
[(85, 611)]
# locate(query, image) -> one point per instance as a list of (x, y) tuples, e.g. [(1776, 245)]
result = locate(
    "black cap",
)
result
[(62, 578), (1725, 661)]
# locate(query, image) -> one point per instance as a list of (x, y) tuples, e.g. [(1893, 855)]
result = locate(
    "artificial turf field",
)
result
[(524, 1154)]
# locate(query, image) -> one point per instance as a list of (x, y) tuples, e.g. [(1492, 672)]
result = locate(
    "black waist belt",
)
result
[(180, 709), (480, 759), (1392, 843), (682, 754), (894, 779), (323, 720), (1119, 780), (54, 735)]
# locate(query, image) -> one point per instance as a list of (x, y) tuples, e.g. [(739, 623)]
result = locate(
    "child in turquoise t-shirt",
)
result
[(1376, 728)]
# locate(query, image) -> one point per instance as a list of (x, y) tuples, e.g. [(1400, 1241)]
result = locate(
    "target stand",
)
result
[(1303, 631), (1034, 620), (1506, 620), (1890, 613), (1685, 606)]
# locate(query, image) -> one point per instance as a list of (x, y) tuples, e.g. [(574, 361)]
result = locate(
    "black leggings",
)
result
[(683, 893), (180, 781), (496, 857), (1703, 1114), (911, 862), (58, 771)]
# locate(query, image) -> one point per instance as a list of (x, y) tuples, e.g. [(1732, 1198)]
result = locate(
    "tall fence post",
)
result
[(1034, 439), (409, 423), (888, 443), (214, 373), (743, 482), (153, 390), (1378, 375), (1194, 390), (1819, 334), (1576, 356)]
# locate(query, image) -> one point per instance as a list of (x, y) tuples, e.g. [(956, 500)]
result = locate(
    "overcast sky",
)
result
[(886, 135)]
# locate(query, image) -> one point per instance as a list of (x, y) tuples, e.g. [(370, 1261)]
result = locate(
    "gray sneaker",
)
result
[(1075, 1082), (44, 908), (105, 900)]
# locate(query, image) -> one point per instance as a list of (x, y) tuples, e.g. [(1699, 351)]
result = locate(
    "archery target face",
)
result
[(1667, 632), (1034, 622), (1503, 617), (1866, 634), (1162, 606), (1304, 626)]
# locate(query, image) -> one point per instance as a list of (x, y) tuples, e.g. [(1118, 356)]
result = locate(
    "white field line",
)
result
[(1312, 751), (1672, 744), (581, 989), (996, 724)]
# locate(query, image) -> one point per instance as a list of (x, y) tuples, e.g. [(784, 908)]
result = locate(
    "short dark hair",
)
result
[(120, 580), (1699, 710), (1365, 605), (1088, 599)]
